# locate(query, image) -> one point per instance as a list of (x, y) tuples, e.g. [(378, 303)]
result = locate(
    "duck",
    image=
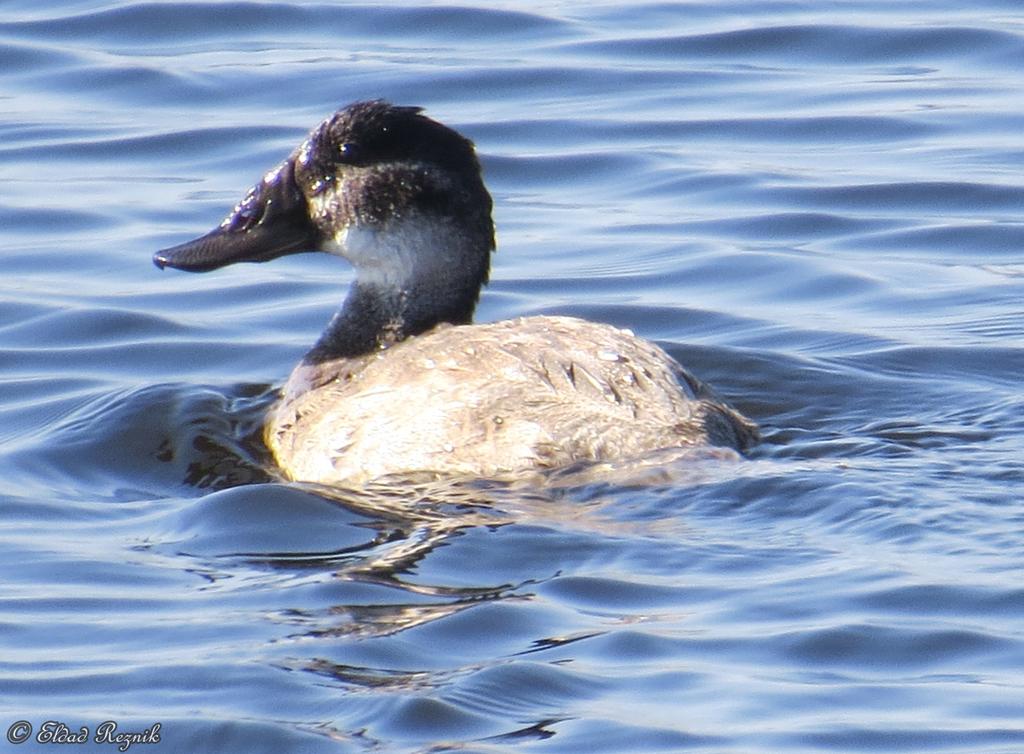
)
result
[(402, 382)]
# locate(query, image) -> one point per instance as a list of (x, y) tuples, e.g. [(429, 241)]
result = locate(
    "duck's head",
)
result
[(397, 194)]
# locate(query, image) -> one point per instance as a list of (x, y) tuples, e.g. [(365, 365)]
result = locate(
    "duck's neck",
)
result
[(375, 316), (412, 274)]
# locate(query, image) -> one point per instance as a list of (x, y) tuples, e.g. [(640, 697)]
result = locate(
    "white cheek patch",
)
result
[(381, 257), (396, 253), (358, 244)]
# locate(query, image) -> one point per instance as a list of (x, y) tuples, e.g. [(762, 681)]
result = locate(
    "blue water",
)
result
[(818, 207)]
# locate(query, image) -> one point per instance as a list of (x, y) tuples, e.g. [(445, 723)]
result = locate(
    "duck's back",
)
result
[(485, 400)]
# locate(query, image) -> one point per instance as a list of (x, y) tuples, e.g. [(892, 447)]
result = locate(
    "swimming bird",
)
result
[(402, 382)]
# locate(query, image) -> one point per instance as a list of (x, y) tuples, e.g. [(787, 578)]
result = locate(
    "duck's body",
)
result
[(401, 382), (486, 400)]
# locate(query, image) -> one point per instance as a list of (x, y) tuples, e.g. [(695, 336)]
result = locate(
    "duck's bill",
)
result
[(271, 221)]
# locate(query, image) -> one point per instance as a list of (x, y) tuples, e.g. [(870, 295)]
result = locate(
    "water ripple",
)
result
[(842, 44)]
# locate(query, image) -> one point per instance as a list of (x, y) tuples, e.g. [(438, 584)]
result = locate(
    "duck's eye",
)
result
[(349, 152)]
